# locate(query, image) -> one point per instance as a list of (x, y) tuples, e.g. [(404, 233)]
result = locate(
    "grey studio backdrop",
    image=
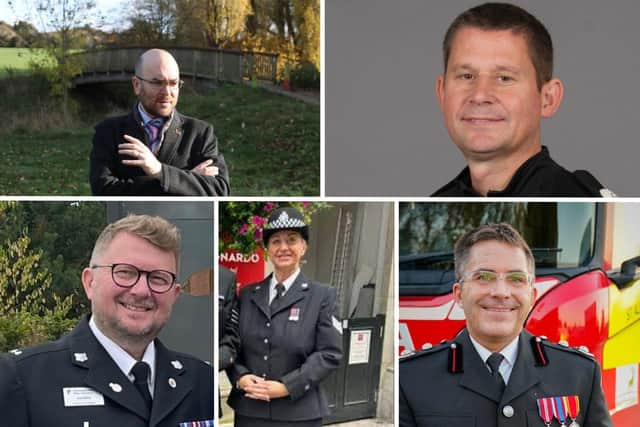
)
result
[(384, 133)]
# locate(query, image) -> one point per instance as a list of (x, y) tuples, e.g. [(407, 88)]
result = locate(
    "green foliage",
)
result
[(53, 228), (25, 317), (305, 76), (241, 223)]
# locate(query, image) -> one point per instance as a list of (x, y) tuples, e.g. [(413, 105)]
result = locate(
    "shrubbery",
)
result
[(305, 76)]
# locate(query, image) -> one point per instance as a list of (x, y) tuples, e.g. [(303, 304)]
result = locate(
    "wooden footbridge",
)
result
[(117, 64)]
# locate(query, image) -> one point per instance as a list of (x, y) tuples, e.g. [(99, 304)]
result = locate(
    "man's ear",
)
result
[(457, 293), (552, 92), (136, 85), (440, 90), (87, 281)]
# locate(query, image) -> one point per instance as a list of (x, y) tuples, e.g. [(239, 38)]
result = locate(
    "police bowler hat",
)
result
[(285, 219)]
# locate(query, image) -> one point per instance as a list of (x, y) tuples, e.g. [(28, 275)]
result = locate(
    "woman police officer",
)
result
[(291, 338)]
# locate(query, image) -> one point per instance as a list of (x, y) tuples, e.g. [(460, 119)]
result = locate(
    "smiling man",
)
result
[(496, 88), (495, 373), (111, 370), (155, 150)]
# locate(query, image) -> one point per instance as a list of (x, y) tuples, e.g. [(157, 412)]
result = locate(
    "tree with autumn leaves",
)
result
[(290, 28)]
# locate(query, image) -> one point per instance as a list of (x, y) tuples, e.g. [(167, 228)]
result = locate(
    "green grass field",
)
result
[(14, 58), (271, 143)]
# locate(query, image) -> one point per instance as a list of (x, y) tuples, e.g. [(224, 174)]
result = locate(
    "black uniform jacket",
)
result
[(298, 341), (227, 318), (47, 372), (432, 396), (187, 143), (539, 176)]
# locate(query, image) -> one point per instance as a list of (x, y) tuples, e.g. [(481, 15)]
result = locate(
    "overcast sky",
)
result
[(113, 11)]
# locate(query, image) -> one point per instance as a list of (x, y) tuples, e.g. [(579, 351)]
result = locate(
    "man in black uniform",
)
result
[(111, 370), (494, 373), (155, 150), (496, 88)]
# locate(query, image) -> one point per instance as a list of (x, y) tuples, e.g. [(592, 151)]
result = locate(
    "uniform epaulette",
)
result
[(591, 184), (425, 351), (564, 346)]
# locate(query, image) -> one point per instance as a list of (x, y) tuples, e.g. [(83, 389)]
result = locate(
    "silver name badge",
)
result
[(82, 396)]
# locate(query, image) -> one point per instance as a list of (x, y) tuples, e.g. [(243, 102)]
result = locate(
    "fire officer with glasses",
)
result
[(111, 370), (291, 336), (495, 373)]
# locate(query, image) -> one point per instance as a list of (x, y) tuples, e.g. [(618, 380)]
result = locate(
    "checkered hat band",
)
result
[(285, 223)]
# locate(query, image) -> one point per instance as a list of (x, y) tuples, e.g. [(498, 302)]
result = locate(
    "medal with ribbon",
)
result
[(559, 410), (544, 410), (573, 409)]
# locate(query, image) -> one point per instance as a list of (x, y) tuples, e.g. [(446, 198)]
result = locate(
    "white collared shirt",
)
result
[(510, 353), (123, 359), (287, 284)]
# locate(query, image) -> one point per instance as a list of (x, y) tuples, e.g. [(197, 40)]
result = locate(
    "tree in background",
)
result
[(290, 28), (60, 19), (44, 246)]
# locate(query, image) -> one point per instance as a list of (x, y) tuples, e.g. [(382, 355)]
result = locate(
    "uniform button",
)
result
[(268, 324), (508, 411), (266, 340), (266, 357)]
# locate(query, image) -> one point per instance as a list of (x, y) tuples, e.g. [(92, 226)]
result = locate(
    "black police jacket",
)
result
[(539, 176), (44, 380), (297, 341)]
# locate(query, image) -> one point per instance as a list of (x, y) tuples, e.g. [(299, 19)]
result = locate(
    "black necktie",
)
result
[(494, 363), (279, 292), (141, 373)]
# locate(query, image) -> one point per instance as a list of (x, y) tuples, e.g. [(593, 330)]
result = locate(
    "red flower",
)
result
[(257, 220)]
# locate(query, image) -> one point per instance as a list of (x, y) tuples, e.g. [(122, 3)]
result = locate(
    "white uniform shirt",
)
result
[(123, 359)]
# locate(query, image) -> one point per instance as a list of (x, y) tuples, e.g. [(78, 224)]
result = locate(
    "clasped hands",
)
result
[(256, 387), (142, 156)]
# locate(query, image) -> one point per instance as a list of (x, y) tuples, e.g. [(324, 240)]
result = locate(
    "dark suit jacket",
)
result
[(298, 341), (187, 143), (42, 373), (432, 396)]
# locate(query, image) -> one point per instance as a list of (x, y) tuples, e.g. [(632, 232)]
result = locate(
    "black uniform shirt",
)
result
[(539, 176)]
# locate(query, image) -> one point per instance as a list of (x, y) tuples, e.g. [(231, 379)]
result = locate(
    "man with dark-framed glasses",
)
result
[(494, 372), (155, 150), (111, 370)]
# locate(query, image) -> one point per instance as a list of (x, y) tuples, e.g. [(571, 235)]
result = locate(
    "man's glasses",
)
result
[(487, 277), (159, 84), (127, 275)]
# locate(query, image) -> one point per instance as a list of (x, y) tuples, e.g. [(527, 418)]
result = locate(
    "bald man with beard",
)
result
[(155, 150)]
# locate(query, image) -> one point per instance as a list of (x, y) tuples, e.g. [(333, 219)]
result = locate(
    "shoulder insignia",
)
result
[(423, 352), (582, 351), (455, 358), (539, 352)]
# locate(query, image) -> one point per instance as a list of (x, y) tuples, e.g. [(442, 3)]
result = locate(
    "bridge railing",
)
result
[(216, 64)]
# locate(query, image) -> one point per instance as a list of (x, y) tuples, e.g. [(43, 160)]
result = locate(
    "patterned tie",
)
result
[(279, 292), (141, 373), (152, 128), (494, 363)]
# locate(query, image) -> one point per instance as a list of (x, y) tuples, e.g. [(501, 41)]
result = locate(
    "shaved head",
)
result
[(155, 70), (155, 58)]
